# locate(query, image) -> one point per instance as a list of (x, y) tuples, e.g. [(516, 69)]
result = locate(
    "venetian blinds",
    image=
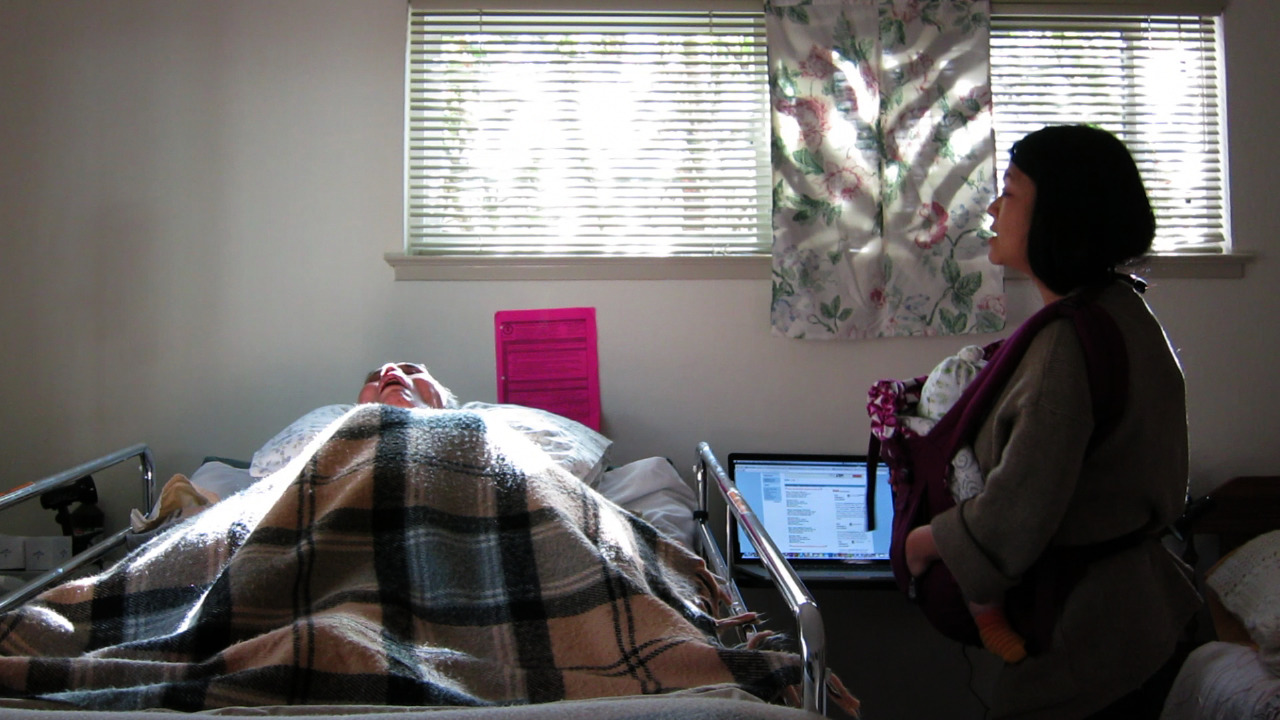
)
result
[(1152, 81), (587, 133)]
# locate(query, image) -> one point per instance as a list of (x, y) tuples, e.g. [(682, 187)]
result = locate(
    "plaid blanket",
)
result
[(412, 558)]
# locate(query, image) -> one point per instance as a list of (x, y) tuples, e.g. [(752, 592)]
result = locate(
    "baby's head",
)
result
[(948, 380)]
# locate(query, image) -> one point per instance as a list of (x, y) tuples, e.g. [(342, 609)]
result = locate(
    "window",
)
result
[(1152, 81), (607, 137), (630, 134)]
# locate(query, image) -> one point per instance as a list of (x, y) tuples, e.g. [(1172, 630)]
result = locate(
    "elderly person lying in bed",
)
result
[(650, 487), (400, 384), (581, 450)]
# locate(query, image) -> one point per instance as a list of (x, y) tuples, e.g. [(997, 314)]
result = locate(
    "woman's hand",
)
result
[(921, 550)]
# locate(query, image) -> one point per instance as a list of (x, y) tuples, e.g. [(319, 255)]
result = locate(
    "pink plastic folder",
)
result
[(547, 360)]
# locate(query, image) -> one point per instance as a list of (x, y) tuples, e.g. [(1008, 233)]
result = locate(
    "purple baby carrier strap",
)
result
[(920, 466)]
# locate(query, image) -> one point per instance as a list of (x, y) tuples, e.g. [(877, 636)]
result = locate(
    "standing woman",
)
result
[(1072, 210)]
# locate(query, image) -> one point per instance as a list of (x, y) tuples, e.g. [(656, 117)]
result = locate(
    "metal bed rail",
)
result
[(97, 550), (804, 609)]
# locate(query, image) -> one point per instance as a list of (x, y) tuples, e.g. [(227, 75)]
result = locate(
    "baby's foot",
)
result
[(999, 638)]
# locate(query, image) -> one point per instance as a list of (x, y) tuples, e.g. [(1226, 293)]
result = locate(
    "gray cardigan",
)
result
[(1044, 489)]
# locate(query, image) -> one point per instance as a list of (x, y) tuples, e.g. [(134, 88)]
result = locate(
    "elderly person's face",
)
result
[(406, 385)]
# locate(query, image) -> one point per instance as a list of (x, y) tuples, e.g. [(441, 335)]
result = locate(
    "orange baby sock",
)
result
[(998, 637)]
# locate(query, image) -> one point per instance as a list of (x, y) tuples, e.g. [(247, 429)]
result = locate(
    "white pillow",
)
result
[(289, 442), (652, 489), (1247, 581), (576, 447)]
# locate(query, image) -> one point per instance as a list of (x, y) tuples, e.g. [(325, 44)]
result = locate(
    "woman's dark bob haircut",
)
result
[(1091, 210)]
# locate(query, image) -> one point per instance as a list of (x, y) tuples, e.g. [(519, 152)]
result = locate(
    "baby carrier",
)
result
[(919, 465)]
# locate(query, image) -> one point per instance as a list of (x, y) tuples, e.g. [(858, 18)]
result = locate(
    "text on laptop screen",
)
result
[(816, 508)]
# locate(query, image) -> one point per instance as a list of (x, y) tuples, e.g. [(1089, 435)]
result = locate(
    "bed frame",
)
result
[(708, 473), (99, 550), (804, 609)]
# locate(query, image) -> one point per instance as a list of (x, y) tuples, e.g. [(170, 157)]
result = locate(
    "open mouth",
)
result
[(391, 381)]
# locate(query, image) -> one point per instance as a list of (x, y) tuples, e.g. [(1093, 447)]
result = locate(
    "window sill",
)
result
[(752, 267), (1191, 265), (439, 267)]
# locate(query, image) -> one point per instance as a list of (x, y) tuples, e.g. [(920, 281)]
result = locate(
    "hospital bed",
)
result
[(675, 637)]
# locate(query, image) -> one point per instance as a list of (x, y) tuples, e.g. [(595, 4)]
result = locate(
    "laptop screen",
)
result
[(815, 507)]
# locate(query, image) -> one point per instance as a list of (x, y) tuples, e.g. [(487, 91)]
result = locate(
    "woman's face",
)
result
[(406, 385), (1011, 214)]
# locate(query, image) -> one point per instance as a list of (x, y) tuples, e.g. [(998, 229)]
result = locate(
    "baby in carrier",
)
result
[(941, 390)]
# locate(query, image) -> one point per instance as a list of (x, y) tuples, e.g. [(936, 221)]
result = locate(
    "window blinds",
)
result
[(1152, 81), (645, 133), (587, 133)]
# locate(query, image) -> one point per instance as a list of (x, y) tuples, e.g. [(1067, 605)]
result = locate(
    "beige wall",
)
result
[(195, 198)]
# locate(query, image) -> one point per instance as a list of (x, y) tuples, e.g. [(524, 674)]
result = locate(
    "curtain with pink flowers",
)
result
[(883, 166)]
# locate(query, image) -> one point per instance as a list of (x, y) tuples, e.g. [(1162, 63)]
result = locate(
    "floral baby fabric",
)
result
[(915, 406)]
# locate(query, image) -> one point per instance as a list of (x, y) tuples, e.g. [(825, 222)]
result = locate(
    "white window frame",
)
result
[(757, 266)]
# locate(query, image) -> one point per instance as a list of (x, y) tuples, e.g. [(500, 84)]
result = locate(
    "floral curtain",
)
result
[(883, 167)]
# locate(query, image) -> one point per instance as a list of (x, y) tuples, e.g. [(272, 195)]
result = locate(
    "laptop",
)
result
[(825, 516)]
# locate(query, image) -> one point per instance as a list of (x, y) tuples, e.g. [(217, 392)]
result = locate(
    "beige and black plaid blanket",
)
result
[(414, 558)]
